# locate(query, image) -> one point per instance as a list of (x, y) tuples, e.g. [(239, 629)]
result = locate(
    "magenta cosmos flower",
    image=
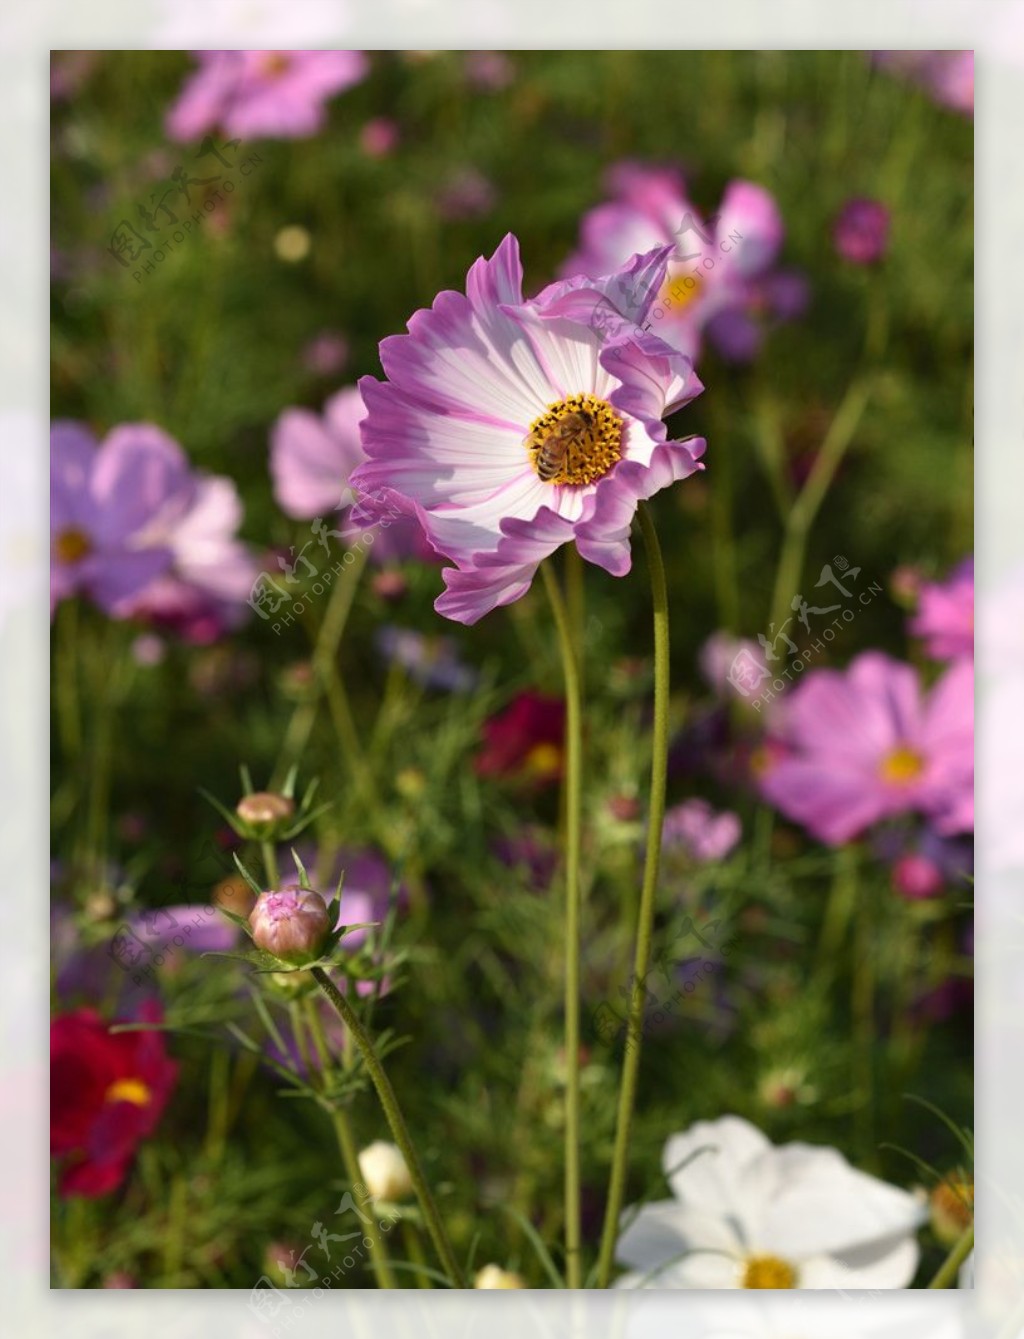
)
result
[(311, 459), (256, 94), (111, 507), (863, 744), (945, 614), (508, 428), (721, 279)]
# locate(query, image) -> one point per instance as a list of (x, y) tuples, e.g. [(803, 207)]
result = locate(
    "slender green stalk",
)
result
[(950, 1267), (573, 817), (270, 864), (395, 1119), (347, 1146), (645, 919), (324, 658), (807, 504)]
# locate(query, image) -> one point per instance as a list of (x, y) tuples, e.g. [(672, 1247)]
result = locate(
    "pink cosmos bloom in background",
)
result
[(311, 460), (947, 75), (379, 137), (863, 744), (721, 280), (703, 834), (861, 232), (508, 428), (255, 94), (945, 614), (111, 507)]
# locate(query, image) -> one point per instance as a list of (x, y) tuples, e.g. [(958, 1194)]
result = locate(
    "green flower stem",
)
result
[(347, 1146), (396, 1121), (645, 918), (573, 815), (324, 660), (950, 1267), (270, 865), (805, 508)]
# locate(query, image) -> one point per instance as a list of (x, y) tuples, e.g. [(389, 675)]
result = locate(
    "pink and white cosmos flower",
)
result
[(508, 428), (863, 744), (721, 282)]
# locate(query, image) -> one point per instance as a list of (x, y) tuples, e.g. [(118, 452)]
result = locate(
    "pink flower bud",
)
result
[(292, 925), (915, 876)]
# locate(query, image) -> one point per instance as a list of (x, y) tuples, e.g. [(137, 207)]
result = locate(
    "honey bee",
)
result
[(553, 444)]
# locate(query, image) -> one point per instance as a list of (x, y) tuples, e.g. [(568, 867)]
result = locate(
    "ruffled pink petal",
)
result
[(750, 225), (603, 537)]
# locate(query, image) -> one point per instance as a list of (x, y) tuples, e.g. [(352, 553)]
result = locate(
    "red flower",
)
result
[(107, 1093), (526, 740)]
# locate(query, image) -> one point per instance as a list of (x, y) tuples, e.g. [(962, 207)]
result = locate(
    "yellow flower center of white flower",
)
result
[(72, 545), (575, 441), (768, 1271), (901, 766)]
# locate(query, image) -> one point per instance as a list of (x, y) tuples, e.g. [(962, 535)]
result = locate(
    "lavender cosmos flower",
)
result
[(508, 428), (431, 661), (861, 232), (262, 93), (292, 924), (311, 461), (864, 744), (945, 614), (112, 508), (697, 829), (204, 594), (721, 278)]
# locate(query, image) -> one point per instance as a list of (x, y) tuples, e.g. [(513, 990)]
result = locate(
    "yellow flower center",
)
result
[(901, 766), (544, 760), (72, 545), (274, 64), (129, 1090), (768, 1271), (680, 290), (575, 441)]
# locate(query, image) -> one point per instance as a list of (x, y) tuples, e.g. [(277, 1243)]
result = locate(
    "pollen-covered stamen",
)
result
[(901, 766), (72, 545), (575, 441), (768, 1271)]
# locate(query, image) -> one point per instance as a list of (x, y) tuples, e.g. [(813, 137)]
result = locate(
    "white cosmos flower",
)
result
[(749, 1215)]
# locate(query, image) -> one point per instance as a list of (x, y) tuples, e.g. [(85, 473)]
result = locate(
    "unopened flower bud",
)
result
[(952, 1208), (263, 810), (493, 1276), (234, 894), (292, 925), (385, 1172)]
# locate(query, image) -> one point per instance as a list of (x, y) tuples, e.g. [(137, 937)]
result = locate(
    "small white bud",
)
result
[(385, 1172), (493, 1276)]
